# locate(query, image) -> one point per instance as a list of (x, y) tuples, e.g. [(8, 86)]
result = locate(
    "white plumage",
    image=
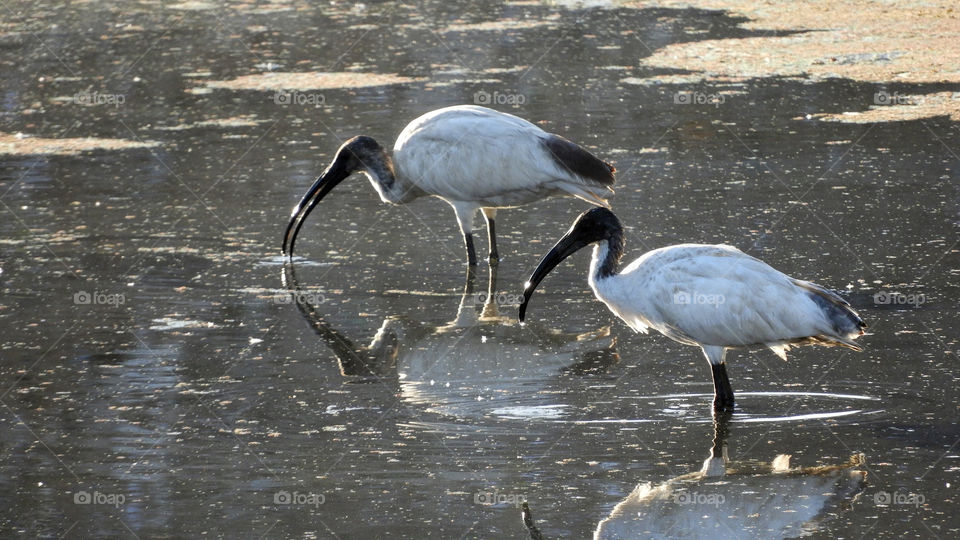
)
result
[(712, 296), (471, 157), (476, 157), (715, 295)]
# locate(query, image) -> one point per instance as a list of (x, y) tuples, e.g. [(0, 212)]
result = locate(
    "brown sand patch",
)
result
[(452, 69), (906, 41), (22, 145), (193, 6), (902, 108), (501, 25), (310, 80), (684, 79), (232, 122)]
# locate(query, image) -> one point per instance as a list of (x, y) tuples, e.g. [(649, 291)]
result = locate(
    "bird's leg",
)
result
[(490, 215), (722, 391), (465, 215), (471, 251)]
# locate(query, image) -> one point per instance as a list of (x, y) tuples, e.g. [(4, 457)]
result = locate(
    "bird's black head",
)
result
[(358, 153), (363, 150), (596, 225)]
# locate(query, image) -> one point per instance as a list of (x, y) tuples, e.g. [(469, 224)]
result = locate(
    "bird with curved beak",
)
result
[(712, 296), (473, 158)]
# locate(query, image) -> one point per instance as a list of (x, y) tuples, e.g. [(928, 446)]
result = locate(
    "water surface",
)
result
[(199, 390)]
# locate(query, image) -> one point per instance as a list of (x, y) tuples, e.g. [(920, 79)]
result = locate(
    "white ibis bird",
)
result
[(472, 158), (712, 296)]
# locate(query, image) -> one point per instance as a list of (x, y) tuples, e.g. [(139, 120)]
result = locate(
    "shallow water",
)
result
[(160, 357)]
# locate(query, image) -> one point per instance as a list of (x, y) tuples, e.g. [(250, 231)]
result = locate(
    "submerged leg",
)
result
[(492, 282), (465, 213), (490, 214), (469, 283), (715, 466), (466, 311), (490, 306), (722, 391)]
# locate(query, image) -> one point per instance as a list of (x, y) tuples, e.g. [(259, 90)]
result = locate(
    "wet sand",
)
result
[(896, 42)]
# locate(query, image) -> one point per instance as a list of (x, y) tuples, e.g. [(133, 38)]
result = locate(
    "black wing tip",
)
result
[(845, 319), (573, 157)]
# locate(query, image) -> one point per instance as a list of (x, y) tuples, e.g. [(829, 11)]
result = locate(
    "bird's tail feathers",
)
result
[(572, 158), (780, 348), (589, 194), (846, 321)]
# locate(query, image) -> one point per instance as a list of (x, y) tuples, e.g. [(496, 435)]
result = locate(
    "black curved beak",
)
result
[(334, 174), (571, 242)]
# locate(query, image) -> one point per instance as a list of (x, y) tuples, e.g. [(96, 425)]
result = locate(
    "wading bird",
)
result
[(712, 296), (472, 158)]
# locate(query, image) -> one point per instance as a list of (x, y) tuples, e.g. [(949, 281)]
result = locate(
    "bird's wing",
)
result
[(471, 153), (718, 295)]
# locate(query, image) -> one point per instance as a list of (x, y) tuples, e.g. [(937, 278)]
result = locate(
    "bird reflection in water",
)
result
[(736, 499), (479, 364)]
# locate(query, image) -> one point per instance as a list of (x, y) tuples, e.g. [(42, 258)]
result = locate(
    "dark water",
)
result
[(377, 401)]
